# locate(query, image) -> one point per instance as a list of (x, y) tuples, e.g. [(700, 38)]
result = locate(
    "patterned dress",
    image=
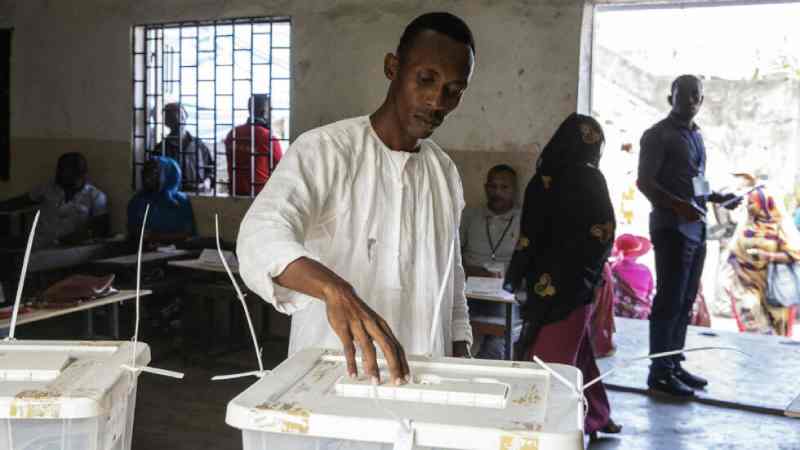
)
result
[(747, 289)]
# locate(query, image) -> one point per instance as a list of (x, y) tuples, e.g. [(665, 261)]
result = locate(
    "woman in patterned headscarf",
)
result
[(765, 237), (566, 235)]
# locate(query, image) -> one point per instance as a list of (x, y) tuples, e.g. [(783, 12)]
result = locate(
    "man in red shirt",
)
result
[(253, 142)]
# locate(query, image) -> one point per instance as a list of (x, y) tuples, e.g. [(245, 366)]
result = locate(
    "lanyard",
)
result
[(492, 246)]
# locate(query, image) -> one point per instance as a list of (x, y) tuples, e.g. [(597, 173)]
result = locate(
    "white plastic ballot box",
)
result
[(309, 402), (68, 395)]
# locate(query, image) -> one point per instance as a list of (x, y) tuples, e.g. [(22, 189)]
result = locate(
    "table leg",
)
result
[(209, 302), (114, 325), (509, 331), (89, 324), (258, 319), (232, 310)]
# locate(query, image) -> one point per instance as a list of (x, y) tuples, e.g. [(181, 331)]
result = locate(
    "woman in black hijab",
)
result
[(566, 235)]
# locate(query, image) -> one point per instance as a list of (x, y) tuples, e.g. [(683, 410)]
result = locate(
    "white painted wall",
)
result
[(71, 79)]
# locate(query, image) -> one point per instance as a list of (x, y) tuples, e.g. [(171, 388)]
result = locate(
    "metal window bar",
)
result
[(214, 81), (160, 44), (252, 107), (154, 59), (181, 125), (271, 90), (234, 172), (134, 124)]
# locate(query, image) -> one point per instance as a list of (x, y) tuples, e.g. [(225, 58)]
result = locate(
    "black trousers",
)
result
[(679, 264)]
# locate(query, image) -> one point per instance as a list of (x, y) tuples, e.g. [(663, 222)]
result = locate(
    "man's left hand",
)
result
[(461, 350)]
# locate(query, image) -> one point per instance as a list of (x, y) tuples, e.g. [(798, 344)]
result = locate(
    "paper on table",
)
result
[(487, 286), (484, 285), (211, 258)]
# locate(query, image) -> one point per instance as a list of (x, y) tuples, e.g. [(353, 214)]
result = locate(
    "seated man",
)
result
[(72, 209), (171, 219), (252, 142), (488, 237), (193, 156)]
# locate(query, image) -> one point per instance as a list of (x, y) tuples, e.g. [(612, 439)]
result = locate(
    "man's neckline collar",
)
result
[(258, 121), (415, 151), (681, 124), (489, 213)]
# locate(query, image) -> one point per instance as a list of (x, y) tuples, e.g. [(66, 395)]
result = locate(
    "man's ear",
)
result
[(669, 99), (391, 66)]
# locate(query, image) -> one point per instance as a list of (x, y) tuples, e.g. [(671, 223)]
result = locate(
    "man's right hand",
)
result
[(686, 210), (357, 324)]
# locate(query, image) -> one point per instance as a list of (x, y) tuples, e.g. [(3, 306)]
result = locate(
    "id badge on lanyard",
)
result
[(701, 186)]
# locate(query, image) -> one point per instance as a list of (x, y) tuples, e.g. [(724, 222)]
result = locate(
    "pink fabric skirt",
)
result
[(603, 316), (569, 342)]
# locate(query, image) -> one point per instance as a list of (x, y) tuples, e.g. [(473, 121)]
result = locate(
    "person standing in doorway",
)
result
[(672, 176)]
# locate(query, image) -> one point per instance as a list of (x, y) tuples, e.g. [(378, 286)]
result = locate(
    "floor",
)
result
[(648, 423), (736, 378), (655, 424), (190, 414)]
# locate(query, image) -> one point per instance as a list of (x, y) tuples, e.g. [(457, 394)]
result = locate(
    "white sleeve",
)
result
[(100, 204), (273, 232), (461, 328), (463, 229)]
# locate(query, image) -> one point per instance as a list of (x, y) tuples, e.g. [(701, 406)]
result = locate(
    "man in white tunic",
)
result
[(357, 230)]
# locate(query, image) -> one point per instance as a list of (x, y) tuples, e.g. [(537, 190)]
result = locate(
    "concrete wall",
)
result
[(750, 125), (71, 80)]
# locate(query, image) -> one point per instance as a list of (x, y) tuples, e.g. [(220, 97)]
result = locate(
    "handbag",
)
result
[(783, 285)]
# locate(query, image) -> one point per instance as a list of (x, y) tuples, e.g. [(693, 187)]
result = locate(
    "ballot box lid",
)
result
[(450, 402), (65, 379)]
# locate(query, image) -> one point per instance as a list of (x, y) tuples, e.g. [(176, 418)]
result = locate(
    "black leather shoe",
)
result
[(669, 384), (693, 381)]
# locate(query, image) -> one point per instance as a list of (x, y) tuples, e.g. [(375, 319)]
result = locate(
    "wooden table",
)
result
[(39, 314), (124, 267), (504, 298), (66, 257), (53, 259), (199, 265), (147, 257), (211, 283), (19, 220)]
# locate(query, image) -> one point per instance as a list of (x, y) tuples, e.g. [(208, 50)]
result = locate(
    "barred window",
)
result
[(214, 96)]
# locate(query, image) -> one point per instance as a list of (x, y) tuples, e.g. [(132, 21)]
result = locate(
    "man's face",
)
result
[(172, 117), (686, 98), (501, 188), (428, 81), (69, 178), (151, 176)]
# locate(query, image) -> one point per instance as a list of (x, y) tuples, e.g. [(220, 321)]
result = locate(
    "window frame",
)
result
[(153, 86)]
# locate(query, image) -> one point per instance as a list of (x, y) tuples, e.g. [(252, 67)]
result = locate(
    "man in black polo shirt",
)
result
[(191, 153), (672, 176)]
